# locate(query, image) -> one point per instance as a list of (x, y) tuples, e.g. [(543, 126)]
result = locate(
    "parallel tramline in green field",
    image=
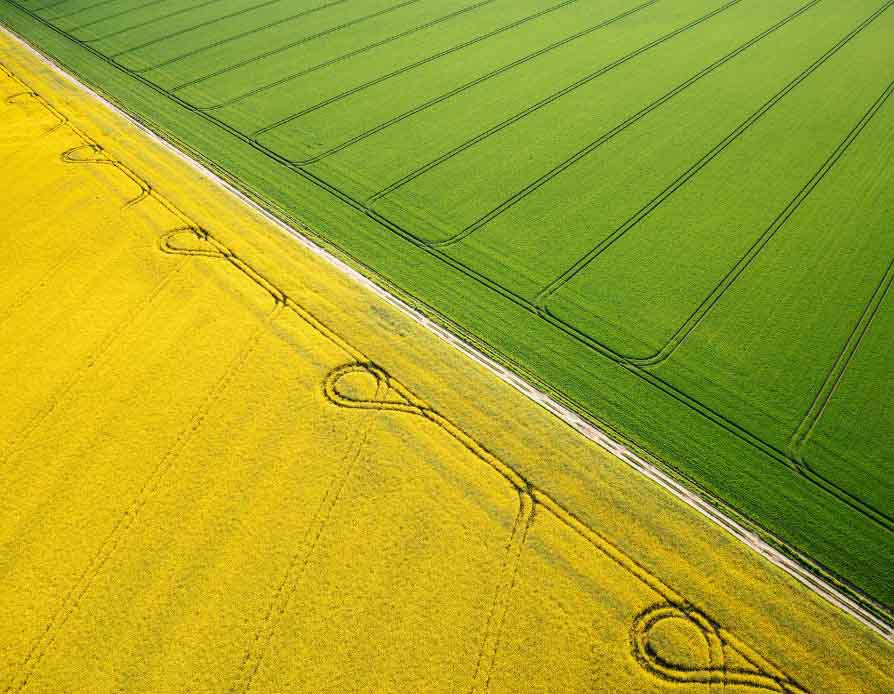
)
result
[(676, 215)]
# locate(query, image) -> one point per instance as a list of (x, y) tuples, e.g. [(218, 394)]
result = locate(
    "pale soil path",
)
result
[(796, 569)]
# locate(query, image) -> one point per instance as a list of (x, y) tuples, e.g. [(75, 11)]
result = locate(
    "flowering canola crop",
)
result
[(226, 467)]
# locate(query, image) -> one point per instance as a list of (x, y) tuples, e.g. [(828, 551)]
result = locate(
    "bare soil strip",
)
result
[(797, 569)]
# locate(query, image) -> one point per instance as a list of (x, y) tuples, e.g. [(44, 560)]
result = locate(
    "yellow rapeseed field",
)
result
[(226, 467)]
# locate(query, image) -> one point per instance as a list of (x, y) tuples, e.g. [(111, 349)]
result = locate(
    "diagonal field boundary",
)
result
[(671, 605), (799, 568)]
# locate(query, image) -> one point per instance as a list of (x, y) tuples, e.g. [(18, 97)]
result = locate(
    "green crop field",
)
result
[(676, 216)]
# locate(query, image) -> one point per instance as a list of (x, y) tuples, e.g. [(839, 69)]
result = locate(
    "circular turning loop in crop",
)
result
[(188, 241), (76, 155), (367, 386), (13, 98), (663, 638)]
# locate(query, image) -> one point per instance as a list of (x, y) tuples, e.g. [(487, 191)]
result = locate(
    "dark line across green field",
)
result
[(674, 215)]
